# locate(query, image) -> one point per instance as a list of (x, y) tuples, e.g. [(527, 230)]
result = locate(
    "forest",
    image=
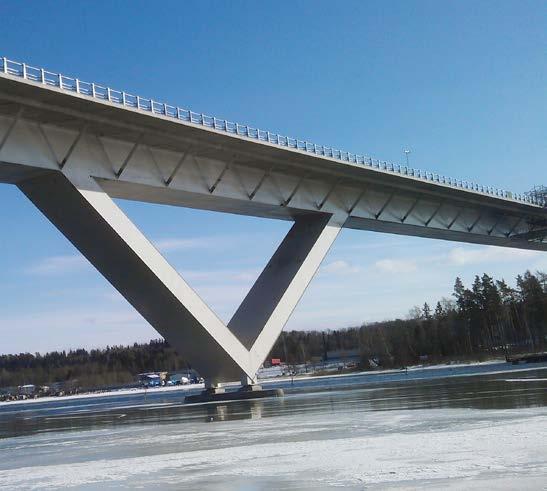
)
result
[(487, 319)]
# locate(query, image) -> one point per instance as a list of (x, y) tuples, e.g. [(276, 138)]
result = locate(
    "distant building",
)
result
[(343, 356), (26, 390), (45, 389), (57, 388), (149, 379), (183, 377)]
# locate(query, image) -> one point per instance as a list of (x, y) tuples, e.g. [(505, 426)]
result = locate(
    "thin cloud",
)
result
[(489, 254), (396, 265), (58, 265), (211, 242), (170, 244), (221, 276), (340, 267), (74, 328)]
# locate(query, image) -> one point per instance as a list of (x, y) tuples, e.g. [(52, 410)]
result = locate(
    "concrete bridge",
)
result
[(71, 146)]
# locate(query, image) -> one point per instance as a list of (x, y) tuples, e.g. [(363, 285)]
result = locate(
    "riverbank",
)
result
[(411, 373), (413, 368), (107, 393)]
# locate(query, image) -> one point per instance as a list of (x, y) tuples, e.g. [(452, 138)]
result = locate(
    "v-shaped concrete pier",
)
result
[(89, 218)]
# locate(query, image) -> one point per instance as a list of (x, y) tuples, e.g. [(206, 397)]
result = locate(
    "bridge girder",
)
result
[(135, 163)]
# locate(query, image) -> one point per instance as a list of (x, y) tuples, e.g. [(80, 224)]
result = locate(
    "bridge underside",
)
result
[(71, 156)]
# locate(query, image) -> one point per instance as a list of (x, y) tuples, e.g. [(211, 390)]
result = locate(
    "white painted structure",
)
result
[(72, 146)]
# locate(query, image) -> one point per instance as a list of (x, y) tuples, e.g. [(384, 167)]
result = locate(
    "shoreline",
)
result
[(281, 379), (106, 393), (412, 368), (265, 381)]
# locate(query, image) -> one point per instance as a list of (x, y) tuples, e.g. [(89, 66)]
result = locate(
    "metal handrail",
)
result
[(97, 91)]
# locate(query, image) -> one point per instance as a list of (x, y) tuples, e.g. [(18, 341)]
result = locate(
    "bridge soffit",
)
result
[(214, 170)]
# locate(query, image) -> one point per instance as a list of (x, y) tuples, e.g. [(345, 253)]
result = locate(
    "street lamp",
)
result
[(406, 154)]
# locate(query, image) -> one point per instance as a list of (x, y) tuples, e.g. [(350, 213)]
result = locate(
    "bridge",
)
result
[(71, 146)]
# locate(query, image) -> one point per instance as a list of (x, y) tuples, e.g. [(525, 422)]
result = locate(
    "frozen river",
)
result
[(457, 428)]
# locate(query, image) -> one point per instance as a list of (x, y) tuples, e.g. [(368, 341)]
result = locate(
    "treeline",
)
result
[(489, 318), (95, 368)]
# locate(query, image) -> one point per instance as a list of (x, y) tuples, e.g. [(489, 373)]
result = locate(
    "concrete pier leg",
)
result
[(112, 243), (246, 380)]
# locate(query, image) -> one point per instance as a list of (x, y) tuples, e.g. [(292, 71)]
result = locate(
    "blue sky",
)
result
[(462, 84)]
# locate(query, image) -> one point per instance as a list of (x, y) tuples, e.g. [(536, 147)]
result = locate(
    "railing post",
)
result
[(138, 102), (24, 70), (108, 93), (42, 76), (93, 90), (5, 65), (123, 98), (77, 86)]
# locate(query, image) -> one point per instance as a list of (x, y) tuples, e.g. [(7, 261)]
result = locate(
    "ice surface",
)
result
[(437, 448), (482, 431)]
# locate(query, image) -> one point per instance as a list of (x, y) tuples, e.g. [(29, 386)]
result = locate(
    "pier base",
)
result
[(219, 394)]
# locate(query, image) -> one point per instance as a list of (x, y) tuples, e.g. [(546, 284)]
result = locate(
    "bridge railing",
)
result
[(97, 91)]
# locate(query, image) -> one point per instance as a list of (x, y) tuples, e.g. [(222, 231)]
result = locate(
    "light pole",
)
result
[(406, 154)]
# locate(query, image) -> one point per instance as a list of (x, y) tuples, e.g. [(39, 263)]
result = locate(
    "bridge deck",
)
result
[(162, 154)]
